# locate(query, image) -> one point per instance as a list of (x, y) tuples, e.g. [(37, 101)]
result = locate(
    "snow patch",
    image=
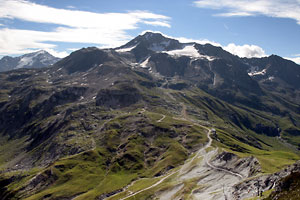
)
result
[(126, 49), (255, 73), (190, 51), (145, 63), (28, 60), (24, 62), (271, 78)]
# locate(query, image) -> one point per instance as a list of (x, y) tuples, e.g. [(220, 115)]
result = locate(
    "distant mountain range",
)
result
[(37, 59), (152, 119)]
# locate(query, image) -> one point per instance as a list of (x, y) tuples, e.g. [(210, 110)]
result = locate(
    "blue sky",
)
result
[(248, 28)]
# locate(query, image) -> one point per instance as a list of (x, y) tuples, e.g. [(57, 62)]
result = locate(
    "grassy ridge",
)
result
[(119, 157)]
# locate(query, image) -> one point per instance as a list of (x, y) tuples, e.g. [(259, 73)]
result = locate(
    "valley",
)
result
[(152, 119)]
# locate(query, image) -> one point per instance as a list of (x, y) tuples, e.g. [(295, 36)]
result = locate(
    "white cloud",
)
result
[(272, 8), (28, 11), (73, 49), (58, 54), (246, 50), (295, 59), (199, 41), (158, 23), (102, 29)]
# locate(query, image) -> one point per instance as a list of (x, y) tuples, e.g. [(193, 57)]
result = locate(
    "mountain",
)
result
[(152, 119), (37, 59)]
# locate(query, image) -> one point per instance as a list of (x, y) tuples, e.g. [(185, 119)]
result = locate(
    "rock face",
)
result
[(268, 130), (287, 188), (37, 59), (247, 167), (281, 181), (274, 70), (118, 97)]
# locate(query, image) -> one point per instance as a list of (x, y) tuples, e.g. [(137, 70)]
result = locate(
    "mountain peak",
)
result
[(155, 37), (36, 59), (150, 35), (42, 52), (37, 53), (153, 41)]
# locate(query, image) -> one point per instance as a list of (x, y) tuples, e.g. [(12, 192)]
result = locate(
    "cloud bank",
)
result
[(246, 50), (294, 59), (271, 8), (102, 29)]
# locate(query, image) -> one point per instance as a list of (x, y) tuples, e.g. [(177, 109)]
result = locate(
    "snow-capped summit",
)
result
[(154, 42), (151, 41), (37, 59)]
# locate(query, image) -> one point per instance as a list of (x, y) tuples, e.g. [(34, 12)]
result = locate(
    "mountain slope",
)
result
[(37, 59), (105, 123)]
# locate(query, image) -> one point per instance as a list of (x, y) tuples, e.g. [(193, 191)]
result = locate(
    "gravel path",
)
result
[(215, 182)]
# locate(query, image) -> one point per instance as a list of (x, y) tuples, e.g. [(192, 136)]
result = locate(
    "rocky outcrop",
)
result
[(4, 193), (265, 182), (247, 166), (287, 188), (118, 97), (40, 181), (267, 130)]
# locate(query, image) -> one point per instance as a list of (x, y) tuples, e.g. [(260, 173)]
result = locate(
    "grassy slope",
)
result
[(272, 159), (89, 176)]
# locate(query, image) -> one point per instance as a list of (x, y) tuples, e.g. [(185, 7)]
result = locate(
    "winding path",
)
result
[(152, 186), (224, 170), (162, 118), (184, 114), (172, 173), (189, 162)]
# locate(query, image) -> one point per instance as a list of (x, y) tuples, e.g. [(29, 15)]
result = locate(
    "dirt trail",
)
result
[(224, 170), (162, 118), (172, 173), (152, 186), (183, 111), (212, 179), (201, 151), (214, 183)]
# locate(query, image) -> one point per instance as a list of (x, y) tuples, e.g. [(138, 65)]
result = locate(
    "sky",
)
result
[(247, 28)]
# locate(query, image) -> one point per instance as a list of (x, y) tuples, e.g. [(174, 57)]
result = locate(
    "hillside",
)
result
[(154, 118)]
